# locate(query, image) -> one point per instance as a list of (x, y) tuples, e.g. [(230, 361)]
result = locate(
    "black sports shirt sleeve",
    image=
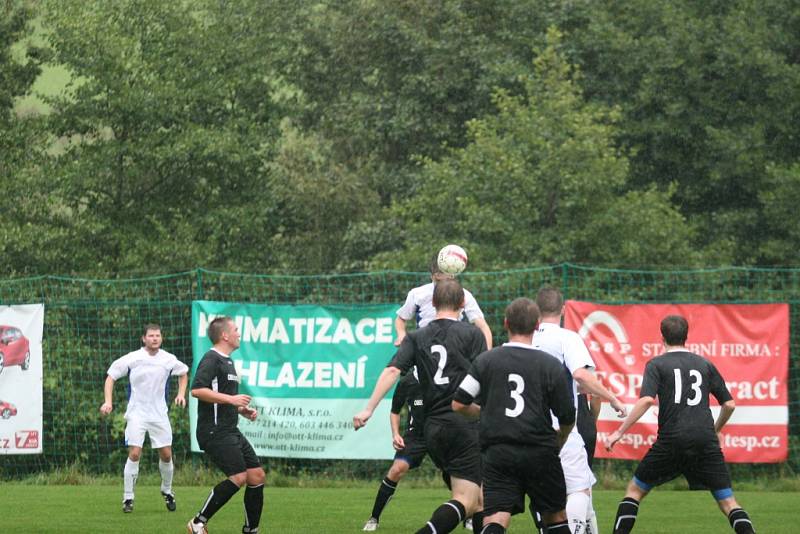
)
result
[(205, 373), (651, 380), (717, 386), (404, 357)]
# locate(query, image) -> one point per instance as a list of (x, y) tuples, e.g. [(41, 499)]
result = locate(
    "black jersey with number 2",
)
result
[(520, 386), (216, 372), (682, 381), (443, 352)]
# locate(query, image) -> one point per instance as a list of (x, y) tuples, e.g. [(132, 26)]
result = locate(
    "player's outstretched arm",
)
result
[(593, 386), (725, 412), (385, 382), (108, 394), (638, 410)]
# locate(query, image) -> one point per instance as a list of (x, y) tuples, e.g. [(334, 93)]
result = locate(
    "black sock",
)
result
[(491, 528), (445, 518), (477, 521), (220, 494), (740, 521), (385, 492), (253, 503), (558, 528), (626, 515)]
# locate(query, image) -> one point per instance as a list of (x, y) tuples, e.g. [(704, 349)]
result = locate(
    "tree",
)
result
[(541, 182), (164, 134), (710, 100)]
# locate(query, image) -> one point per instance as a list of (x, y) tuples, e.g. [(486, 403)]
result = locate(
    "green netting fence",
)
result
[(89, 323)]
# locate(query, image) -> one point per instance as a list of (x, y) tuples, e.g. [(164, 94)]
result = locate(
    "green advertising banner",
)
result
[(309, 369)]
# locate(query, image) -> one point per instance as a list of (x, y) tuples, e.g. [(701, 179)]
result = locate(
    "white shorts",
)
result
[(577, 473), (160, 433)]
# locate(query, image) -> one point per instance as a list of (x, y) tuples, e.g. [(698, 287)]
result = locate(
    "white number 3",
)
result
[(519, 403)]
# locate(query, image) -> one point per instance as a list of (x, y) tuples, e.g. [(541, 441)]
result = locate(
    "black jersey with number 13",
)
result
[(682, 382), (443, 352)]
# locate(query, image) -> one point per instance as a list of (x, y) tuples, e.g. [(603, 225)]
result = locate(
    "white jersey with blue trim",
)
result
[(419, 306), (148, 375)]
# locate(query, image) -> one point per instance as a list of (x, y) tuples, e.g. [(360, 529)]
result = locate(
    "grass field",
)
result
[(97, 508)]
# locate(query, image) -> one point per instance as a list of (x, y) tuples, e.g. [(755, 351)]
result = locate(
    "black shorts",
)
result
[(701, 463), (414, 451), (454, 447), (231, 452), (512, 471)]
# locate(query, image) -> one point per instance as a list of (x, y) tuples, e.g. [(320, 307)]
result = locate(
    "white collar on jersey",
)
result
[(518, 344), (220, 353)]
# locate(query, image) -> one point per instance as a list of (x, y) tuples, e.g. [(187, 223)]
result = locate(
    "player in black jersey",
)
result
[(520, 386), (410, 446), (216, 386), (687, 441), (442, 352)]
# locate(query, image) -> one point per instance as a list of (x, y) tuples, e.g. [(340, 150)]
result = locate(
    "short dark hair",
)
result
[(448, 294), (151, 326), (549, 300), (675, 330), (522, 316), (217, 327), (433, 266)]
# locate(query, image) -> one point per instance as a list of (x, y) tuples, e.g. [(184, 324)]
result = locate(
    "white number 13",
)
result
[(695, 385)]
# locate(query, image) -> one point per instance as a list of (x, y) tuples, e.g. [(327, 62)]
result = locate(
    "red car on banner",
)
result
[(15, 349), (747, 343), (7, 409)]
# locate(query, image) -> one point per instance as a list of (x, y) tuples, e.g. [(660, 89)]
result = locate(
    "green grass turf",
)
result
[(96, 508)]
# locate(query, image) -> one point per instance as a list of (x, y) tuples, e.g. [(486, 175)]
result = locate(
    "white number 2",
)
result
[(695, 385), (519, 403), (442, 352)]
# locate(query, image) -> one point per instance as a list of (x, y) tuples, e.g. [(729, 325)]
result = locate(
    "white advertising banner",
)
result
[(21, 405)]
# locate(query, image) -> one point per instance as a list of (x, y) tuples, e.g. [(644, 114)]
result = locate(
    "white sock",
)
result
[(577, 507), (166, 469), (129, 477)]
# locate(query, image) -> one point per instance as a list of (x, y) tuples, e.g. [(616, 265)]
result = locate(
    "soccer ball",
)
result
[(452, 259)]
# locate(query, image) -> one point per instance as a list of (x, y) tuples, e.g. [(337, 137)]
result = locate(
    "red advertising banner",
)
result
[(748, 343)]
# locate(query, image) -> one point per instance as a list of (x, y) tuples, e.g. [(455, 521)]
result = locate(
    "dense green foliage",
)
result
[(336, 136)]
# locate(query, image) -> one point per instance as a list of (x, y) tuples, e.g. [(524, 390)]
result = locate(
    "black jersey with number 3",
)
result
[(443, 352), (682, 381), (520, 386)]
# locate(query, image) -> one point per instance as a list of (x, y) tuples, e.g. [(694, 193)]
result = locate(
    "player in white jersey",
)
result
[(419, 307), (148, 370), (568, 347)]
